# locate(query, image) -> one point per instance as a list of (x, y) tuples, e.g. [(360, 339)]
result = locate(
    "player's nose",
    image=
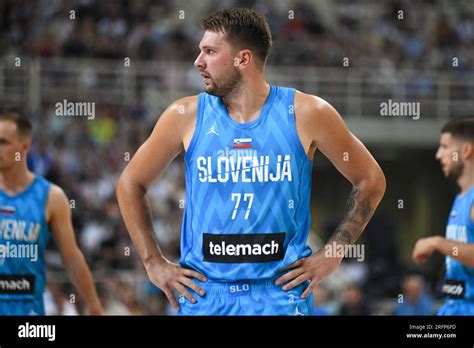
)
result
[(199, 62)]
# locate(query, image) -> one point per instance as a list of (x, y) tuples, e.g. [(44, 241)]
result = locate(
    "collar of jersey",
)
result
[(27, 189), (258, 120)]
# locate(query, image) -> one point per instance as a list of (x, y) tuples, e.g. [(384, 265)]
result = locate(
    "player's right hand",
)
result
[(424, 248), (169, 276)]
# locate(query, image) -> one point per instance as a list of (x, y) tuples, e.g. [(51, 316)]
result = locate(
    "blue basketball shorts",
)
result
[(253, 297), (22, 307), (457, 307)]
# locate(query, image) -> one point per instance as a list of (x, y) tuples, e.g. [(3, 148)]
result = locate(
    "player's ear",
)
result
[(243, 58), (467, 150), (26, 144)]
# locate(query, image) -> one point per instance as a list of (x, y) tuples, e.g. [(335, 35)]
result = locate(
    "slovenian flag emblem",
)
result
[(242, 143), (7, 209)]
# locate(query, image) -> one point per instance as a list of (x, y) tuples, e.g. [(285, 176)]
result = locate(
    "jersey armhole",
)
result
[(48, 188), (292, 123), (197, 129)]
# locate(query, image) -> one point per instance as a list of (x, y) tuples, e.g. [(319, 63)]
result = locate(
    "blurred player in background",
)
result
[(456, 154), (249, 149), (32, 209)]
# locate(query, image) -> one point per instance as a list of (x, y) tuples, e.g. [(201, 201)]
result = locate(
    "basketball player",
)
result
[(32, 209), (456, 154), (248, 153)]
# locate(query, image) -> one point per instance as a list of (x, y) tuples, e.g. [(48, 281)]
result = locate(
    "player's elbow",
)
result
[(122, 183), (374, 184), (380, 184), (128, 184), (72, 259), (469, 255)]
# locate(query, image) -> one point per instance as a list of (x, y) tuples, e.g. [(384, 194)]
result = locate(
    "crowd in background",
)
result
[(423, 35)]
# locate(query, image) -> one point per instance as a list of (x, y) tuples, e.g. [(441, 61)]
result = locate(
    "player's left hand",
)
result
[(424, 248), (315, 268)]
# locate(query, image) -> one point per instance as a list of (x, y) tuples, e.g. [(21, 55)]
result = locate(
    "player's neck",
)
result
[(246, 103), (466, 180), (16, 178)]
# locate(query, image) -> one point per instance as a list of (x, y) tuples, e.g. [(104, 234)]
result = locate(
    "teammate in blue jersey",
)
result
[(456, 154), (31, 210), (248, 153)]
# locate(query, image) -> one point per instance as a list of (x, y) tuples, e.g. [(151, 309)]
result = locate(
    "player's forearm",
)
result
[(81, 277), (463, 252), (136, 214), (361, 205)]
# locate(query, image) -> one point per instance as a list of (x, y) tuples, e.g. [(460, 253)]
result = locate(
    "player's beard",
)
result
[(5, 165), (456, 171), (225, 84)]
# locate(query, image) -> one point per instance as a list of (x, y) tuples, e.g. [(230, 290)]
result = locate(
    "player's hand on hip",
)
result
[(315, 268), (423, 249), (169, 276)]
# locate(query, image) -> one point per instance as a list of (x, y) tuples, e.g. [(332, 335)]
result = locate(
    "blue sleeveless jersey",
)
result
[(24, 235), (459, 282), (247, 191)]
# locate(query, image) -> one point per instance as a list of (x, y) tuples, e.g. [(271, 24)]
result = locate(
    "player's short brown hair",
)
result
[(23, 125), (243, 28), (462, 127)]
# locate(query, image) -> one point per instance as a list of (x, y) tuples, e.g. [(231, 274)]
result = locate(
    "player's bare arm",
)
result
[(59, 221), (463, 252), (425, 247), (321, 127), (170, 137)]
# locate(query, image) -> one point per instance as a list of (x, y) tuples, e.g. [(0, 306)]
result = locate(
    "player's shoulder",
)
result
[(309, 104), (180, 114), (186, 106), (56, 196), (313, 112), (58, 203)]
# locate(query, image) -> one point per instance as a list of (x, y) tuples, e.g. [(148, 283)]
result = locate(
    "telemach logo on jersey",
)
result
[(454, 288), (240, 248), (17, 284)]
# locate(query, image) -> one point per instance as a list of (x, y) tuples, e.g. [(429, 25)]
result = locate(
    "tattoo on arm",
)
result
[(357, 215)]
